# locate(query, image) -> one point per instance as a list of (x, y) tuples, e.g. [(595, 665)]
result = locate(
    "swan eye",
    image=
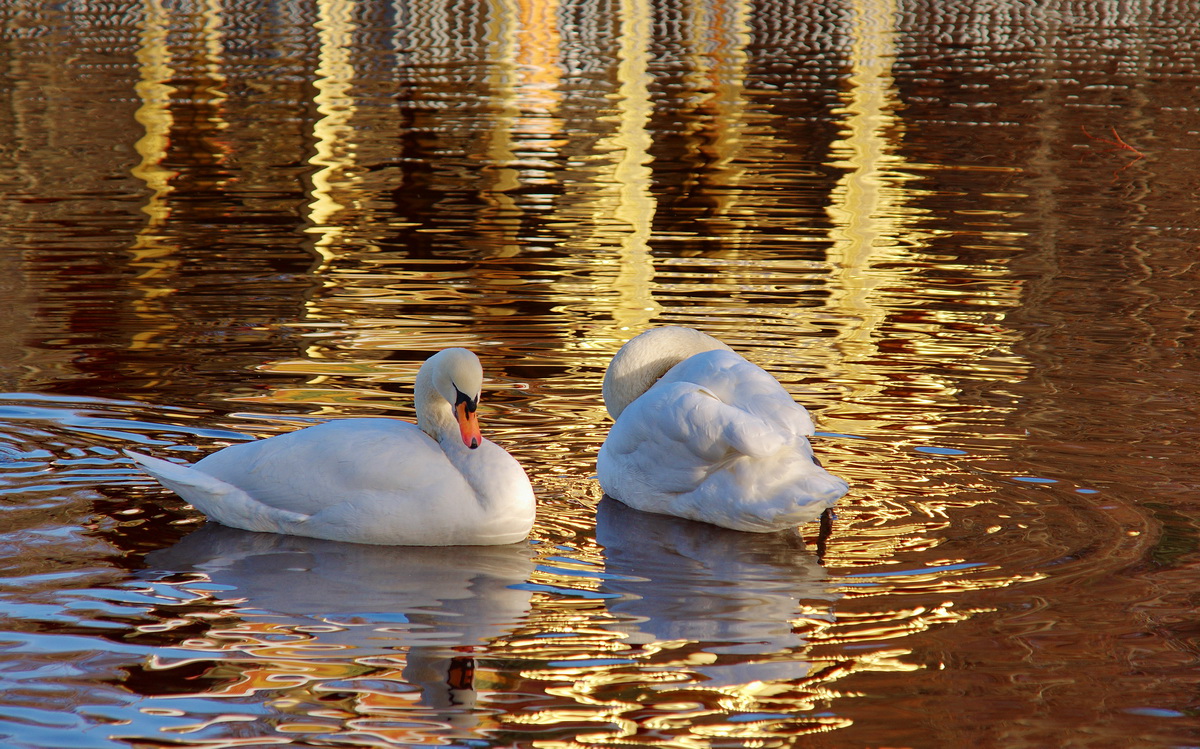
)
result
[(462, 399)]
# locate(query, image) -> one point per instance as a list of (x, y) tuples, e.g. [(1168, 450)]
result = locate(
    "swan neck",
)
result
[(647, 357), (435, 416)]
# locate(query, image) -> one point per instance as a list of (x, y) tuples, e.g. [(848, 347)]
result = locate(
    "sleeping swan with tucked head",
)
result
[(701, 433), (372, 480)]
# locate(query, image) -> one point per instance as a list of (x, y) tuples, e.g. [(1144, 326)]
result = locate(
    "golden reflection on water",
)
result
[(527, 131), (631, 175), (188, 134), (880, 244), (526, 179), (588, 650), (149, 251), (877, 235), (333, 133), (871, 222), (154, 115)]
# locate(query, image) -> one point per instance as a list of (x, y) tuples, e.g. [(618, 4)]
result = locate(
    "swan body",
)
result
[(371, 480), (701, 433)]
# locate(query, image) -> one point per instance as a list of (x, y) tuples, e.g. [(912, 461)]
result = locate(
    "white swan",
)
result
[(701, 433), (372, 480)]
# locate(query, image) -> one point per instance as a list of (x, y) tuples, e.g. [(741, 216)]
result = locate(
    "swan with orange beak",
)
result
[(372, 480)]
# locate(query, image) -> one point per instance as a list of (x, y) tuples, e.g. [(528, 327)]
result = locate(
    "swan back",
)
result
[(648, 356)]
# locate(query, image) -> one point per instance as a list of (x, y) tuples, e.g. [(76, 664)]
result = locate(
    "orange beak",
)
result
[(468, 423)]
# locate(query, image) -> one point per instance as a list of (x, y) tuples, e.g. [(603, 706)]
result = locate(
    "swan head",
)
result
[(648, 356), (447, 395)]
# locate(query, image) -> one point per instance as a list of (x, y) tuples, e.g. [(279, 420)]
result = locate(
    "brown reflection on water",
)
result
[(901, 210)]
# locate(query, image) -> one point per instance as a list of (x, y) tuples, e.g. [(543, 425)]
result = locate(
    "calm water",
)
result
[(965, 235)]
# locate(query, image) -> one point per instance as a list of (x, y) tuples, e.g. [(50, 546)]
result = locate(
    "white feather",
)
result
[(376, 480), (714, 438)]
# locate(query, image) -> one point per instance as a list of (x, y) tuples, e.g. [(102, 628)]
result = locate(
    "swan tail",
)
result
[(220, 501)]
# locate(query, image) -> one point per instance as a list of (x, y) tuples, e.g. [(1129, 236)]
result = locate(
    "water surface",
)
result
[(964, 236)]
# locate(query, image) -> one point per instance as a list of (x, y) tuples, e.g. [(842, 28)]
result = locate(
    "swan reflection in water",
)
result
[(358, 601), (735, 593), (732, 596)]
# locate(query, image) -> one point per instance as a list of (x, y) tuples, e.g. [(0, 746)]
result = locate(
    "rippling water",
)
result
[(964, 235)]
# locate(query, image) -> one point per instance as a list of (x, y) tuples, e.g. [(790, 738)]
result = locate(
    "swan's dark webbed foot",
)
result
[(823, 533)]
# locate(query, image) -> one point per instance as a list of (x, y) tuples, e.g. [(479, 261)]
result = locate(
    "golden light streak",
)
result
[(151, 254), (538, 57), (333, 134), (875, 229), (503, 35), (214, 51), (526, 46), (718, 35), (154, 115), (863, 206), (154, 251), (635, 306)]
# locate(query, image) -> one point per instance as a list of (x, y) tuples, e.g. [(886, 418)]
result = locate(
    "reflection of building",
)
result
[(288, 205), (172, 193)]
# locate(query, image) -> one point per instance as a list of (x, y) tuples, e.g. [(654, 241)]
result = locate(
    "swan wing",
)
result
[(675, 436), (312, 470), (745, 386), (698, 421)]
